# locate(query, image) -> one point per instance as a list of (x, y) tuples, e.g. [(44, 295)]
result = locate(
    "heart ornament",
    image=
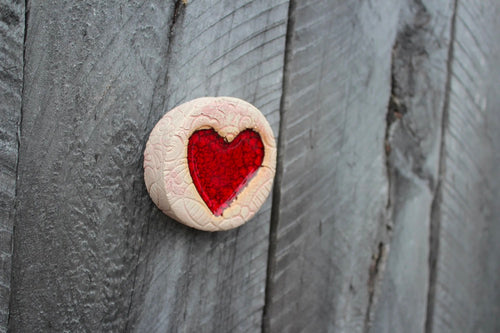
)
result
[(210, 163)]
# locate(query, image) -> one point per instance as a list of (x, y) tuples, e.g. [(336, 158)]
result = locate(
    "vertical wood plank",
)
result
[(332, 188), (419, 89), (92, 252), (11, 83), (202, 282), (465, 295), (89, 74)]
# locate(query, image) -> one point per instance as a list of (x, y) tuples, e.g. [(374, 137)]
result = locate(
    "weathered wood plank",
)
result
[(215, 283), (11, 76), (419, 73), (91, 251), (465, 295), (332, 185), (81, 205)]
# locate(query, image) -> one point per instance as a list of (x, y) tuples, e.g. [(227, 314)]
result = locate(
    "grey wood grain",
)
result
[(11, 79), (419, 73), (332, 187), (91, 251), (384, 216), (465, 289), (215, 283)]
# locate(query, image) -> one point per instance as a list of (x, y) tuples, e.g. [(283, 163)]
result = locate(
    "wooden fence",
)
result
[(385, 213)]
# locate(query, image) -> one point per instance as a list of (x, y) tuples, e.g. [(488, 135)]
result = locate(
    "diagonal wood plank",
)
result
[(332, 187), (91, 252), (11, 84), (465, 284)]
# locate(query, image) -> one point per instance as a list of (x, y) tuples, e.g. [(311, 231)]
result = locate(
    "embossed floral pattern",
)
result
[(166, 170)]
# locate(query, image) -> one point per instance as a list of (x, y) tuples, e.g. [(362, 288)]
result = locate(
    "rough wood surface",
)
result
[(465, 287), (385, 214), (216, 282), (419, 73), (330, 209), (92, 252), (11, 82)]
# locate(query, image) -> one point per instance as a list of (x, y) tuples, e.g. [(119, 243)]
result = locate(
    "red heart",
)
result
[(221, 169)]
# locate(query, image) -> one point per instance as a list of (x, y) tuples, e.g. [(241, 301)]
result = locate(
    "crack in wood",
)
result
[(374, 278), (435, 222), (18, 138), (276, 195), (395, 110)]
